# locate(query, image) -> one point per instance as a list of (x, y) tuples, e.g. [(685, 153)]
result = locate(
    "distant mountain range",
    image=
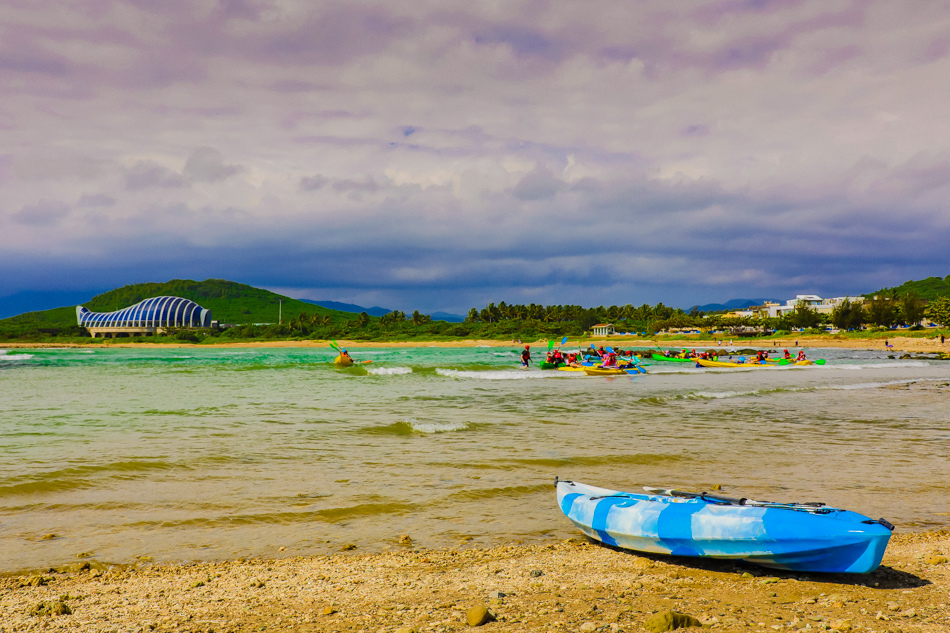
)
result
[(376, 311), (732, 304)]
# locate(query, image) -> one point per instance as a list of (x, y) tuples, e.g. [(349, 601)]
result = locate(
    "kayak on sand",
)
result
[(794, 536)]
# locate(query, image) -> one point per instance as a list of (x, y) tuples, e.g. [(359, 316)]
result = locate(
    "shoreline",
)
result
[(898, 344), (564, 585)]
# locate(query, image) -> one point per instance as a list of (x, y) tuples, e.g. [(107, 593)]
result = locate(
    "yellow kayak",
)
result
[(341, 361), (600, 371), (569, 368), (714, 363)]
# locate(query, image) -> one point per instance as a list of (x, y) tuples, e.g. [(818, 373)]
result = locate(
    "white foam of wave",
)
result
[(882, 365), (489, 374), (7, 356), (389, 371), (717, 395), (483, 346), (865, 385), (436, 427)]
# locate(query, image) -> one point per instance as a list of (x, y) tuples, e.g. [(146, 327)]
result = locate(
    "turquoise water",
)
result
[(185, 454)]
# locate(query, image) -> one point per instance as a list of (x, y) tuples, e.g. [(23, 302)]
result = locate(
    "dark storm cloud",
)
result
[(525, 150)]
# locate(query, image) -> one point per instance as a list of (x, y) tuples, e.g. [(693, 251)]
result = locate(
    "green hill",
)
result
[(929, 288), (229, 302)]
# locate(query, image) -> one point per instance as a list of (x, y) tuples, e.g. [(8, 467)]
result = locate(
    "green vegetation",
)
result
[(927, 289)]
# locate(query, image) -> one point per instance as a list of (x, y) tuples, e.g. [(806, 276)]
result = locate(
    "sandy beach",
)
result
[(898, 343), (572, 585)]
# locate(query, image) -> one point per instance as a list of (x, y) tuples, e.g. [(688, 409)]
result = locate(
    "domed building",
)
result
[(151, 316)]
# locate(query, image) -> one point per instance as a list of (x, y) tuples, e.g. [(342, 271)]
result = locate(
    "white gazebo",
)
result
[(603, 329)]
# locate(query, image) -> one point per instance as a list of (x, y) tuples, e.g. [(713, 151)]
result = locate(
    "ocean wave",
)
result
[(389, 371), (6, 355), (499, 374), (865, 385), (881, 365), (437, 427), (415, 427), (717, 395)]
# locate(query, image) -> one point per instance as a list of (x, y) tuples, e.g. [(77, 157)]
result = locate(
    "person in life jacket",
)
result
[(760, 356), (526, 356), (558, 358), (787, 355), (801, 355)]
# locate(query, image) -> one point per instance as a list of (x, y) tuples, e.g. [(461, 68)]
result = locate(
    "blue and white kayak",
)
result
[(799, 537)]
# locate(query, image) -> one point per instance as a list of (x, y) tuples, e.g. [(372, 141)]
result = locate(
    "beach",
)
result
[(563, 585), (898, 343)]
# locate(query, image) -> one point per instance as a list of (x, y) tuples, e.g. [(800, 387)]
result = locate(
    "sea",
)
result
[(122, 455)]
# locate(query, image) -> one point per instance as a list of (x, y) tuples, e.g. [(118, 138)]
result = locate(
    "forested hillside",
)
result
[(927, 289), (229, 302)]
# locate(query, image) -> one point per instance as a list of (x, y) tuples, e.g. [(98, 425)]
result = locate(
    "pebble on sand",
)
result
[(53, 607), (479, 615), (935, 559), (405, 539), (670, 621)]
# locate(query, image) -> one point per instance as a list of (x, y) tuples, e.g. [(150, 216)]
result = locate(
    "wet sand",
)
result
[(572, 585)]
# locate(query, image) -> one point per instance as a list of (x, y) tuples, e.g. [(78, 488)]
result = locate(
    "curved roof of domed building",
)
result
[(154, 312)]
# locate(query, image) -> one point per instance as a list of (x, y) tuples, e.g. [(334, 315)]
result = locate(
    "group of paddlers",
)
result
[(707, 355), (606, 358), (760, 357)]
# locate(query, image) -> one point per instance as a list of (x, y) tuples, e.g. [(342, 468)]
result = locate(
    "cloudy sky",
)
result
[(440, 155)]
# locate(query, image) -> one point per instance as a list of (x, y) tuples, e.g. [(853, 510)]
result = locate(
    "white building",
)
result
[(603, 329)]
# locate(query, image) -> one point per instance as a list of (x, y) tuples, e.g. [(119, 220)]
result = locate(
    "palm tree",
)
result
[(327, 320), (363, 320)]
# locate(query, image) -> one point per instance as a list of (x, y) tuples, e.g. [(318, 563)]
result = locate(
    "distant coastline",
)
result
[(904, 344)]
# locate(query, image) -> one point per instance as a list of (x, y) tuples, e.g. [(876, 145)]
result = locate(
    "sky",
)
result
[(441, 155)]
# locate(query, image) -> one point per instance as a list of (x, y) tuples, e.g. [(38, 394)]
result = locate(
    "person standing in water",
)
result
[(526, 357)]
